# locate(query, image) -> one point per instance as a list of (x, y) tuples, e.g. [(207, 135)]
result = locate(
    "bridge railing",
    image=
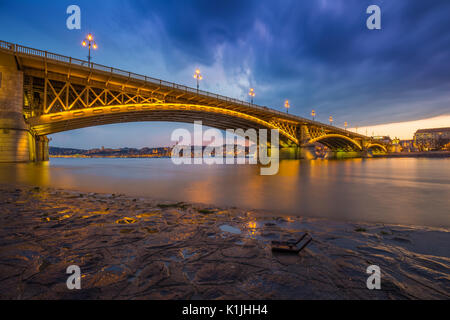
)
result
[(6, 45), (60, 58)]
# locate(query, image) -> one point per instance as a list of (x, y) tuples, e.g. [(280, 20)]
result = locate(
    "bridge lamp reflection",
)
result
[(90, 43), (198, 76), (252, 94)]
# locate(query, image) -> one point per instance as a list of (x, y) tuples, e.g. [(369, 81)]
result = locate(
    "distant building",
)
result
[(392, 145), (383, 139), (407, 145), (432, 139)]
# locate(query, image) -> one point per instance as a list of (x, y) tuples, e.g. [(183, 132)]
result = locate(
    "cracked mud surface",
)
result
[(130, 248)]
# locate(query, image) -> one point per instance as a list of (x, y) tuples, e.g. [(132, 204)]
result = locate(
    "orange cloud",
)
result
[(405, 130)]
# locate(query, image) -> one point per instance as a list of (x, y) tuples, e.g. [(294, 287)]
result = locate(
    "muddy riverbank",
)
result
[(139, 248)]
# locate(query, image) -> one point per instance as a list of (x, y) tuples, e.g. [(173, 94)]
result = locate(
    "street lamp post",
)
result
[(287, 105), (313, 114), (331, 120), (252, 94), (90, 43), (345, 125), (199, 78)]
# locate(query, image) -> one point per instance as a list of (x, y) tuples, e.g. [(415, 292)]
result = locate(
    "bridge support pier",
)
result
[(307, 152), (289, 153), (41, 143), (331, 155), (17, 142)]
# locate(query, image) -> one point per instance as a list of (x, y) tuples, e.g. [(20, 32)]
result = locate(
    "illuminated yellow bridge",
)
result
[(43, 93)]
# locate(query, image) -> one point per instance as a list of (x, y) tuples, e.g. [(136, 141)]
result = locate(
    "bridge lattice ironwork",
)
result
[(63, 93)]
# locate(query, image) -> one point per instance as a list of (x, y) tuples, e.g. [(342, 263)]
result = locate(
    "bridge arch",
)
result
[(377, 147), (338, 142), (215, 117)]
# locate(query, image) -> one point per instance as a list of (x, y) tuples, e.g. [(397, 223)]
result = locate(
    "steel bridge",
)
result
[(60, 93)]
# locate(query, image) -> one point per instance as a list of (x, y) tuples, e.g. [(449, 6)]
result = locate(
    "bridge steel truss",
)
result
[(62, 93)]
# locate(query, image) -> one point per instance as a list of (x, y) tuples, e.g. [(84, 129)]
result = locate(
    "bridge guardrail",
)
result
[(54, 56), (74, 61), (5, 45)]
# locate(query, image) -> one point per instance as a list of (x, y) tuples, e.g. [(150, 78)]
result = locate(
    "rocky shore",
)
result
[(130, 248)]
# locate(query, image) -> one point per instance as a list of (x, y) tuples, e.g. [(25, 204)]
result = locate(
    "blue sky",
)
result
[(317, 53)]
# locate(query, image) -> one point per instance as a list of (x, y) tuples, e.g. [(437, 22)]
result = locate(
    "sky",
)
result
[(319, 54)]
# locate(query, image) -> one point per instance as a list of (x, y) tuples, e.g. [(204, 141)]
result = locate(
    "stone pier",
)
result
[(306, 152), (17, 142), (345, 154)]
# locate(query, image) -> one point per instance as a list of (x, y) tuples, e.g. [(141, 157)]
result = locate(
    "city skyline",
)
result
[(326, 60)]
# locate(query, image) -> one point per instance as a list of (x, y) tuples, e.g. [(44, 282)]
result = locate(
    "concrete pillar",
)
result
[(17, 143), (307, 152), (289, 153), (330, 155), (42, 148), (15, 138), (366, 153), (344, 154)]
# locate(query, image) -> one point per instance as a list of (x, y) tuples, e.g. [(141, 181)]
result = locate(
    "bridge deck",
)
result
[(40, 63)]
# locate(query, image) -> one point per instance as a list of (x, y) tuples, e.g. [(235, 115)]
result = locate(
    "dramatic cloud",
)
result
[(319, 54)]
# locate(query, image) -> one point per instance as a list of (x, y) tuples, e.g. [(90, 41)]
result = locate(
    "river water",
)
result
[(397, 191)]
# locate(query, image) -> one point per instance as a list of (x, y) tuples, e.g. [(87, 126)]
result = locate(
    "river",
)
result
[(396, 191)]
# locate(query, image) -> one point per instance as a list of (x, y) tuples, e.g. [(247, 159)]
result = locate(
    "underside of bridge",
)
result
[(338, 142), (209, 116), (44, 93), (377, 148)]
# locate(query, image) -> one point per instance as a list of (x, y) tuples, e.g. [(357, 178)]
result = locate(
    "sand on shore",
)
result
[(133, 248)]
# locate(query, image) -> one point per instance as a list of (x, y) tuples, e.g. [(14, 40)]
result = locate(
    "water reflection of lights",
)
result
[(126, 220), (290, 219), (252, 227)]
